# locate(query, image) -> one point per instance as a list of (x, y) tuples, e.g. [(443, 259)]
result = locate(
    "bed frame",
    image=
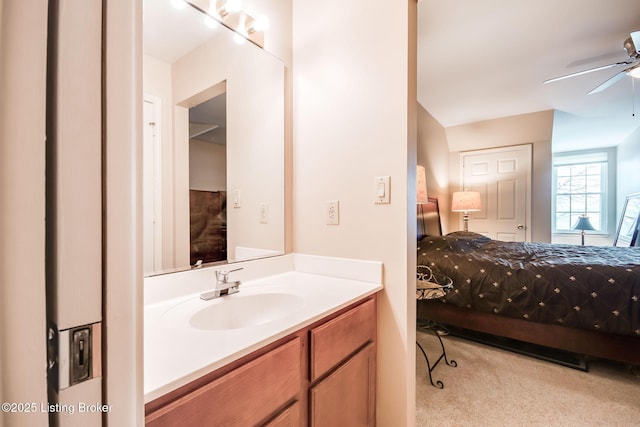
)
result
[(620, 348)]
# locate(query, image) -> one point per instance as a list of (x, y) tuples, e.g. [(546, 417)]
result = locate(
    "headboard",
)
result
[(428, 216)]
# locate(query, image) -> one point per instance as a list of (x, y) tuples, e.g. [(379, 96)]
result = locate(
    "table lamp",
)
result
[(583, 224), (466, 201)]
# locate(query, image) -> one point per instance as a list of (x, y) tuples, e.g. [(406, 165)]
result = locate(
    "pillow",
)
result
[(469, 236)]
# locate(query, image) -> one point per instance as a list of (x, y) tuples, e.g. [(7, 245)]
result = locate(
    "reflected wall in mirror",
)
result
[(214, 123)]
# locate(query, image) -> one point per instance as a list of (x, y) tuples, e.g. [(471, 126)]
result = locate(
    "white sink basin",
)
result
[(234, 311)]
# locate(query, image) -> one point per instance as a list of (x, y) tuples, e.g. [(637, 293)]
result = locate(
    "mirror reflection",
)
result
[(213, 143)]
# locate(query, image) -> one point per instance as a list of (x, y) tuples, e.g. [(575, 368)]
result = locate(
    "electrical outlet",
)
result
[(333, 212), (236, 198), (263, 213)]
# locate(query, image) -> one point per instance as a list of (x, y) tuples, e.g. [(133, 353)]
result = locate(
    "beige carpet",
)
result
[(493, 387)]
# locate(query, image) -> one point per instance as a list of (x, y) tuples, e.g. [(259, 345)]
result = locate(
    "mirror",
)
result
[(627, 234), (213, 152)]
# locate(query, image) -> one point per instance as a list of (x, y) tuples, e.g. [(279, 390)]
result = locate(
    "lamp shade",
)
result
[(421, 186), (583, 223), (466, 201)]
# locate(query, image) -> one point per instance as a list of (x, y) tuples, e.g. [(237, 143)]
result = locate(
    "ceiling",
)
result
[(168, 33), (480, 60)]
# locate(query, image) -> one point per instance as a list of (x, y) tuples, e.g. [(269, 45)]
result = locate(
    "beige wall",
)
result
[(433, 154), (354, 119), (22, 212), (207, 166), (534, 128)]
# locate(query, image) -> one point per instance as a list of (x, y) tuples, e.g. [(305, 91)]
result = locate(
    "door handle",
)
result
[(520, 227)]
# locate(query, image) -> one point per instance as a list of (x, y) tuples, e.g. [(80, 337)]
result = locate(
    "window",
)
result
[(580, 183)]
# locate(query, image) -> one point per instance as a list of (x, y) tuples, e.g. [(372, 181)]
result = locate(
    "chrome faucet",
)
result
[(223, 286)]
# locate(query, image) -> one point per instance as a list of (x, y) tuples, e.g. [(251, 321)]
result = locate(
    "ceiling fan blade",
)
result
[(611, 81), (591, 70)]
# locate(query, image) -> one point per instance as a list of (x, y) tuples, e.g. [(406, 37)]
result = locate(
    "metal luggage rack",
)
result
[(430, 285)]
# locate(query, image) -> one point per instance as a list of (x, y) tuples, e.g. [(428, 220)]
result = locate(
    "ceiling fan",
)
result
[(631, 45)]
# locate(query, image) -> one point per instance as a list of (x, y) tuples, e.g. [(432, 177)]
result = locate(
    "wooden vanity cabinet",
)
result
[(248, 395), (321, 375), (343, 369)]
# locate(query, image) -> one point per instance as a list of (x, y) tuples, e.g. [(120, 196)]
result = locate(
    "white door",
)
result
[(152, 187), (503, 178)]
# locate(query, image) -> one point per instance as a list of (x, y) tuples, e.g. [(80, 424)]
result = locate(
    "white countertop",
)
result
[(176, 353)]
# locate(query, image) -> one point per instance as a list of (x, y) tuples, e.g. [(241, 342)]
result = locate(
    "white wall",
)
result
[(535, 128), (122, 359), (354, 110), (22, 212)]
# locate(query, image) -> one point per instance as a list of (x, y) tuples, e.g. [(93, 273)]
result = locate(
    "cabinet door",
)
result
[(290, 417), (347, 396)]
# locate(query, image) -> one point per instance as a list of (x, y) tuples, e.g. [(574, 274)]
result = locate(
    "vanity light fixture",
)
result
[(260, 24), (230, 14), (210, 22), (226, 7)]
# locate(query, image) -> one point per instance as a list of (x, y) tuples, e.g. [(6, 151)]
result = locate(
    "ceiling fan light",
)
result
[(635, 73)]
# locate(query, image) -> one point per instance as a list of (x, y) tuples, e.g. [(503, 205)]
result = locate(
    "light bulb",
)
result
[(179, 4), (261, 23), (238, 38), (210, 22), (233, 6)]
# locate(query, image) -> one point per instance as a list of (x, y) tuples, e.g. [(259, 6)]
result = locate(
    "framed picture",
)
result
[(627, 234)]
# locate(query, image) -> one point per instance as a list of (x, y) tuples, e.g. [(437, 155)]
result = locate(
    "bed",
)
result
[(580, 299)]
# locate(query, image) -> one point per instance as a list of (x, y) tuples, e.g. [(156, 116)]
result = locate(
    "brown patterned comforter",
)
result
[(588, 287)]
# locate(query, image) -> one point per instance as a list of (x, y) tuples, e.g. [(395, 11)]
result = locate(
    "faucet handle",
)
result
[(225, 273)]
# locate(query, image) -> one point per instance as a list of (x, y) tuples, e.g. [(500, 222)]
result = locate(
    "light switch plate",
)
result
[(263, 213), (333, 212), (381, 189), (236, 198)]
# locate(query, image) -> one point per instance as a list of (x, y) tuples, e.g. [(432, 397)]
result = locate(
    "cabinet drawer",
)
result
[(335, 340), (239, 398)]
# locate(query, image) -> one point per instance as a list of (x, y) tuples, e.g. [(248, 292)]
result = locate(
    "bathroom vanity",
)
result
[(311, 360)]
